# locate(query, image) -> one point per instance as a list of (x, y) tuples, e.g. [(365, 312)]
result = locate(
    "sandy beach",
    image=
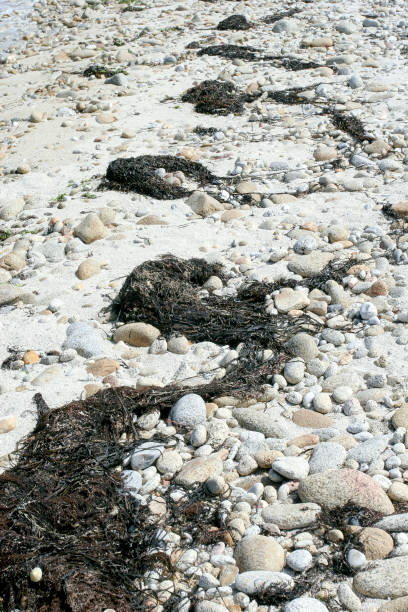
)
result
[(305, 141)]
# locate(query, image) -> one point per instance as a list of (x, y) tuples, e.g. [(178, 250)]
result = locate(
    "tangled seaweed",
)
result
[(101, 71), (165, 293), (251, 53), (292, 95), (277, 16), (216, 97), (231, 52), (349, 124), (205, 131), (235, 22), (138, 174)]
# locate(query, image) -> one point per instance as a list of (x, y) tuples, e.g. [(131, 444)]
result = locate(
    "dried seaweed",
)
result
[(231, 51), (101, 71), (235, 22), (292, 95), (349, 124), (205, 131), (164, 293), (216, 98), (138, 174), (278, 16), (253, 54)]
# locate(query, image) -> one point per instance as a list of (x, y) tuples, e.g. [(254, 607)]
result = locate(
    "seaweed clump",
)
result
[(139, 174), (277, 16), (205, 131), (99, 71), (230, 51), (235, 22), (216, 98), (349, 124), (164, 293)]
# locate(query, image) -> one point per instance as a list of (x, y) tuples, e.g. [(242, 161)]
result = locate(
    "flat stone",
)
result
[(11, 209), (335, 488), (369, 450), (376, 543), (103, 367), (259, 552), (199, 470), (400, 209), (13, 261), (47, 376), (397, 522), (348, 378), (151, 220), (293, 468), (136, 334), (310, 418), (254, 420), (288, 299), (189, 411), (292, 516), (145, 455), (326, 456), (255, 582), (387, 578), (310, 265), (203, 204)]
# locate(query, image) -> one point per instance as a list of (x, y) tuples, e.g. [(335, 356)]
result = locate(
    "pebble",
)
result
[(305, 604), (293, 468), (189, 411), (256, 581), (90, 229), (299, 560), (302, 345), (379, 580), (259, 552), (84, 339), (327, 456), (136, 334), (291, 516)]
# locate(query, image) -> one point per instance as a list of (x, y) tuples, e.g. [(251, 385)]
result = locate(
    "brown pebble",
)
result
[(31, 357)]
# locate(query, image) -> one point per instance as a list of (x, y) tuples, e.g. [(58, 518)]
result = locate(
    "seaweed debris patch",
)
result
[(158, 176)]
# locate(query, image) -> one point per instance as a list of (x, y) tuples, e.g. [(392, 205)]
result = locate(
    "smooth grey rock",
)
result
[(291, 516), (255, 582), (260, 421), (305, 604), (117, 79), (310, 265), (387, 578), (292, 468), (145, 455), (86, 340), (302, 345), (132, 481), (327, 455), (396, 522), (369, 450), (189, 410)]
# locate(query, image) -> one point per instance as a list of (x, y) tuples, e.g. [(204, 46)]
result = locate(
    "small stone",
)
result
[(326, 456), (400, 417), (88, 268), (398, 492), (47, 376), (356, 559), (291, 516), (119, 79), (305, 604), (294, 372), (36, 574), (259, 552), (323, 153), (299, 560), (132, 481), (31, 357), (246, 187), (376, 543), (169, 461), (203, 204), (310, 265), (400, 604), (258, 581), (348, 598), (36, 117), (384, 579), (322, 403), (23, 169), (230, 215), (265, 458), (136, 334), (103, 367), (11, 209), (189, 411), (85, 339), (310, 418), (302, 345), (288, 299), (7, 423), (145, 455), (178, 345), (199, 470), (335, 488), (293, 468), (151, 220), (90, 229), (337, 233)]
